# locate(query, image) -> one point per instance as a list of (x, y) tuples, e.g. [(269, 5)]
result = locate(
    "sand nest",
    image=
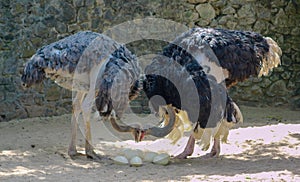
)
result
[(265, 147)]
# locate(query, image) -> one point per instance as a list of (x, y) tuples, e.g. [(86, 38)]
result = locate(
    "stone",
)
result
[(246, 15), (82, 15), (265, 83), (291, 8), (191, 15), (97, 13), (219, 4), (197, 1), (10, 68), (224, 19), (246, 11), (53, 93), (281, 18), (278, 69), (246, 83), (264, 14), (256, 91), (17, 8), (277, 88), (278, 3), (96, 24), (261, 27), (108, 15), (228, 10), (49, 21), (73, 28), (60, 27), (206, 11), (78, 3), (296, 104), (202, 22), (89, 3), (237, 3), (5, 3), (2, 96), (27, 49), (26, 98), (67, 12), (35, 111), (286, 61), (52, 10), (85, 26), (297, 77), (286, 75), (41, 30), (295, 31), (231, 24), (39, 99), (291, 85), (100, 2)]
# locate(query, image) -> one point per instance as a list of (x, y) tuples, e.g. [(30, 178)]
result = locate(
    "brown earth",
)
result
[(265, 148)]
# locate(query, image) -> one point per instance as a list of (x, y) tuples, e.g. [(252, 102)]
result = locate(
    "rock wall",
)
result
[(26, 25)]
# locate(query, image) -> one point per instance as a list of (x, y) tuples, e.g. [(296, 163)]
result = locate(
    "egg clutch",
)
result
[(137, 157)]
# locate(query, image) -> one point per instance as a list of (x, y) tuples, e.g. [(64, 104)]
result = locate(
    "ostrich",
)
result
[(235, 55), (99, 70)]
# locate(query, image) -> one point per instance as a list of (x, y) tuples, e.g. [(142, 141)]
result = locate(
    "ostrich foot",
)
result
[(215, 151), (72, 152), (188, 150), (91, 154)]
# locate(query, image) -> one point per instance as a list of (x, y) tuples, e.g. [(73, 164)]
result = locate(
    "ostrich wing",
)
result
[(241, 53), (117, 83), (179, 78)]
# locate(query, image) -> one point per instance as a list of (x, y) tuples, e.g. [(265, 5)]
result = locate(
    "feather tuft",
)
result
[(272, 59)]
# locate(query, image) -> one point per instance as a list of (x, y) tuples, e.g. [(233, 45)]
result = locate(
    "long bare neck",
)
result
[(161, 132), (120, 128)]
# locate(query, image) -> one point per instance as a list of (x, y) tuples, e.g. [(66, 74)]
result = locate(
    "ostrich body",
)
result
[(238, 55), (99, 70)]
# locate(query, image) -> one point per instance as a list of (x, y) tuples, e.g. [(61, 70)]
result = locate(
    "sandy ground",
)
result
[(265, 148)]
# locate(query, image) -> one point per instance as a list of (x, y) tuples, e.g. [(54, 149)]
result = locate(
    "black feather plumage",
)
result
[(172, 77), (242, 53), (118, 84)]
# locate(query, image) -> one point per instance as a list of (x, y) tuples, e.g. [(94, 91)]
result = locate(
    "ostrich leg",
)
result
[(188, 150), (215, 151), (86, 113), (72, 151)]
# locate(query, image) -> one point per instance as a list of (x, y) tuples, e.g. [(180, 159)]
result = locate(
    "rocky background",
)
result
[(26, 25)]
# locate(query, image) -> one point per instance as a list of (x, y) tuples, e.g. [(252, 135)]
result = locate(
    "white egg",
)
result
[(130, 153), (149, 156), (162, 159), (136, 161), (120, 160)]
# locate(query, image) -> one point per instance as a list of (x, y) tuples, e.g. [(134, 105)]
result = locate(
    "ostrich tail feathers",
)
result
[(272, 59), (206, 135)]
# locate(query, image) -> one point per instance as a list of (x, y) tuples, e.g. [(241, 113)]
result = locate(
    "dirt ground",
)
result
[(265, 148)]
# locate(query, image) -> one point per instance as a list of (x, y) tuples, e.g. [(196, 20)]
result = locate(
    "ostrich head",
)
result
[(33, 72), (166, 112)]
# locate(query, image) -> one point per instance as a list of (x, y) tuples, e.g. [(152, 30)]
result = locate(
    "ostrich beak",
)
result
[(142, 135), (138, 135), (163, 131)]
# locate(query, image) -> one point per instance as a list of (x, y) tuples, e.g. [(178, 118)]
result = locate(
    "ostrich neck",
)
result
[(118, 127), (161, 132)]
